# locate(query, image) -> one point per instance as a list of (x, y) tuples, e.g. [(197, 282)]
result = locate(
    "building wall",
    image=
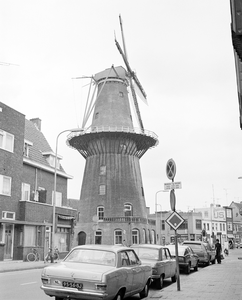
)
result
[(12, 122), (38, 178), (32, 224)]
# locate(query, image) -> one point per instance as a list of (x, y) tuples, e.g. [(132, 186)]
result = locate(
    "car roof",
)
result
[(148, 246), (179, 246), (193, 242), (114, 248)]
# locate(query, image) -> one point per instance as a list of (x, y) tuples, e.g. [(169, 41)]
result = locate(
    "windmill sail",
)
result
[(135, 84)]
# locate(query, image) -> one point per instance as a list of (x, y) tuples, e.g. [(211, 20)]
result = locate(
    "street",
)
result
[(25, 285), (21, 285)]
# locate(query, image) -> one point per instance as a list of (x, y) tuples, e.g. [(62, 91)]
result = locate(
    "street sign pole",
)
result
[(173, 220), (177, 264)]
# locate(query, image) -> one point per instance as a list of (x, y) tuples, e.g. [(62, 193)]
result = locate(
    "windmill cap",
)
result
[(114, 72)]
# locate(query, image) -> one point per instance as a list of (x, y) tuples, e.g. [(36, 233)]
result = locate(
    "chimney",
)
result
[(37, 123)]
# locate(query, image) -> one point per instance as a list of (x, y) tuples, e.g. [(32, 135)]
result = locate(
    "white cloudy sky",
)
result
[(183, 56)]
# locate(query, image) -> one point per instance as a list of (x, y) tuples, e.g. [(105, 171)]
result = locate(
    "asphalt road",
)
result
[(25, 285)]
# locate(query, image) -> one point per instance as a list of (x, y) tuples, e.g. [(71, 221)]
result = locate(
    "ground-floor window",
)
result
[(62, 237), (98, 237), (1, 233), (30, 236), (152, 236), (135, 236), (144, 236), (118, 237)]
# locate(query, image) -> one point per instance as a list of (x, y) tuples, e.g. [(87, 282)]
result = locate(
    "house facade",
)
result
[(27, 169), (237, 220), (190, 229), (217, 223)]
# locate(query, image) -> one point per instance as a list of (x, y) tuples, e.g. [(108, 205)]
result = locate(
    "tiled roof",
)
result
[(40, 144), (238, 204)]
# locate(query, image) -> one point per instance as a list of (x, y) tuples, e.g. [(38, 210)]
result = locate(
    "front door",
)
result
[(82, 238), (8, 241)]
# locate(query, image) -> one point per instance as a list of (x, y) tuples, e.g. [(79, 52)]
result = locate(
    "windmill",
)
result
[(134, 82), (112, 148)]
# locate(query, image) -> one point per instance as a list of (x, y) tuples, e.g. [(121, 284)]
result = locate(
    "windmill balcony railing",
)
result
[(96, 129), (128, 220)]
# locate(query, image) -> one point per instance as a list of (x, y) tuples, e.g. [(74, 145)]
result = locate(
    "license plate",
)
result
[(70, 284)]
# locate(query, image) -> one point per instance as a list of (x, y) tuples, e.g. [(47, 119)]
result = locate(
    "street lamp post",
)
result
[(54, 196), (157, 229)]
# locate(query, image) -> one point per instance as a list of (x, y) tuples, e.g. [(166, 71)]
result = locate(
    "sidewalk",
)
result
[(216, 282), (18, 265)]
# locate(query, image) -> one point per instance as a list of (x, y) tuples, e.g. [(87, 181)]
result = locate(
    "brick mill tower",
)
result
[(112, 206)]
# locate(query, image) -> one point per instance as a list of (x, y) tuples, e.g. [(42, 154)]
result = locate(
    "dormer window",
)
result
[(50, 157), (27, 145)]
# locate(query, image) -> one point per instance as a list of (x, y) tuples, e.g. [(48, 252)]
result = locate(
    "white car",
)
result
[(97, 272)]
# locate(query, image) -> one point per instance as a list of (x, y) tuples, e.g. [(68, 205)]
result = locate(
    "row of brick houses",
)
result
[(26, 190)]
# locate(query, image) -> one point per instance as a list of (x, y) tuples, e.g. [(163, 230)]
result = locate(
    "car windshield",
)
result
[(147, 253), (173, 251), (91, 256), (195, 246)]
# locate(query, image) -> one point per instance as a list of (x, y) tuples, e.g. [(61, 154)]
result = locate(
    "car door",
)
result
[(171, 262), (137, 271), (205, 251), (165, 263), (127, 272), (191, 256)]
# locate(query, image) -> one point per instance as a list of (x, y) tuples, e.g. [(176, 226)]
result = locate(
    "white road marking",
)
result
[(28, 283)]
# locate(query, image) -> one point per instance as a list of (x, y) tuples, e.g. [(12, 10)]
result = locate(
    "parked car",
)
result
[(159, 257), (199, 248), (238, 245), (187, 259), (97, 272), (211, 251)]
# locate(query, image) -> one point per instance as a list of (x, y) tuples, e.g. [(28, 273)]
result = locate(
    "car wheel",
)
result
[(213, 261), (159, 282), (119, 296), (59, 298), (196, 267), (173, 278), (188, 269), (208, 262), (145, 292)]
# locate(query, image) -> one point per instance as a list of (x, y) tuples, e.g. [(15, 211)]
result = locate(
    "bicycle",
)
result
[(51, 256), (33, 256), (226, 252)]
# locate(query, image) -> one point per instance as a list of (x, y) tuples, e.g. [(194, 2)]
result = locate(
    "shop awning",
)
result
[(66, 217), (230, 236)]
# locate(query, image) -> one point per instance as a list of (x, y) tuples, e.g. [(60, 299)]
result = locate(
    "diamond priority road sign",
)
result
[(175, 220)]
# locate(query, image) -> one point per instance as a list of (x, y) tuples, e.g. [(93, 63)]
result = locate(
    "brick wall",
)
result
[(12, 122)]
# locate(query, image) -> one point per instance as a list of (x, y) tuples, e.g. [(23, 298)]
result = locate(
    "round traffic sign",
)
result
[(173, 200), (171, 169)]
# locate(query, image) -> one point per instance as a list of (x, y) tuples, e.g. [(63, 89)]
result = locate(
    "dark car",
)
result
[(186, 257), (199, 248), (211, 251)]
